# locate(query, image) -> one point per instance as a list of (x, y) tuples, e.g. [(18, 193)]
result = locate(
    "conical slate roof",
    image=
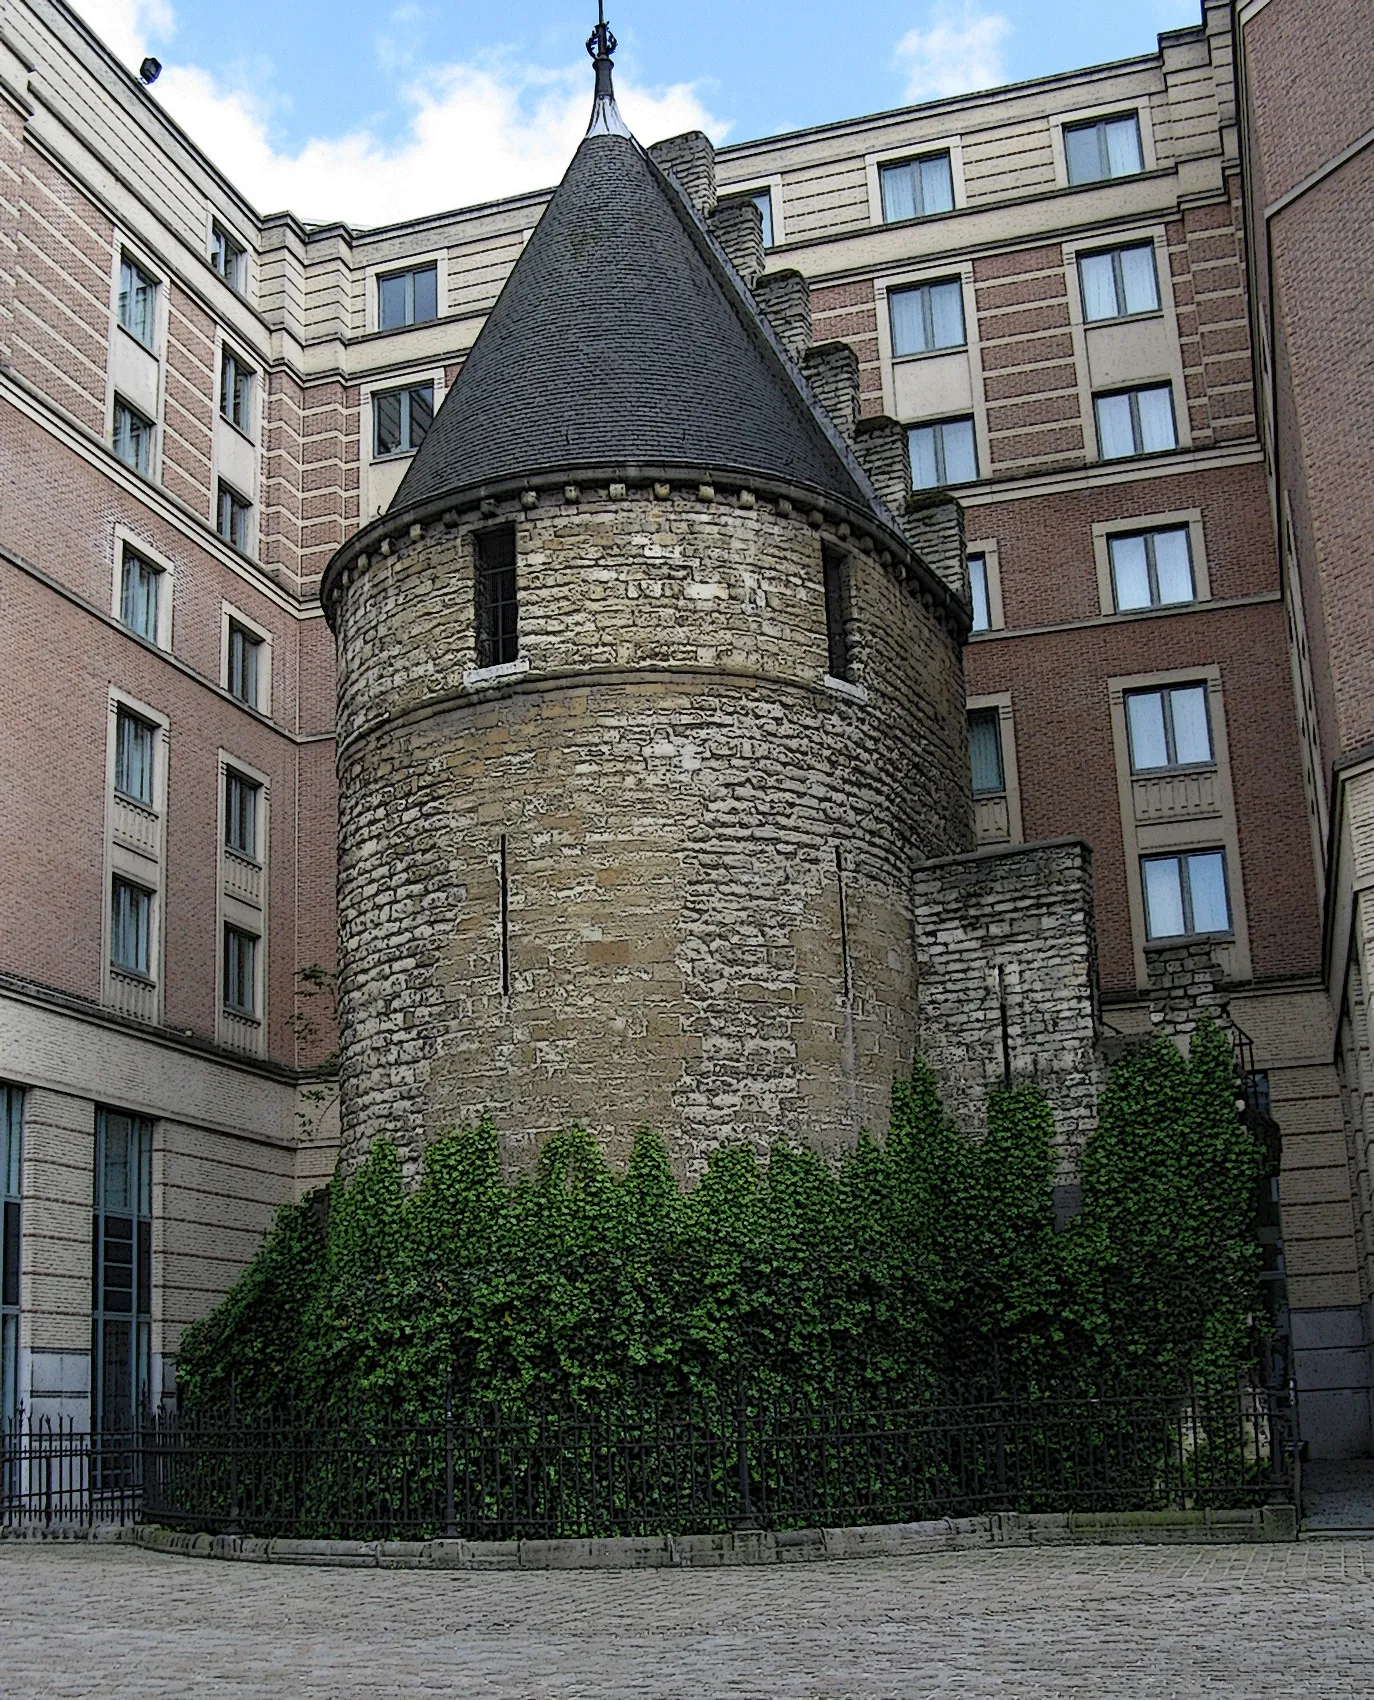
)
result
[(622, 337)]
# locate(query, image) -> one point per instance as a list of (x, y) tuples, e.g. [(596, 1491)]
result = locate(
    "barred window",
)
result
[(498, 614)]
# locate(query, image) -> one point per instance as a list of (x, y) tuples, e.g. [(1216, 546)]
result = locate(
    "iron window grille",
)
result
[(137, 301), (1186, 894), (11, 1176), (122, 1269), (131, 914), (133, 438), (978, 592), (235, 391), (241, 815), (1151, 569), (916, 188), (985, 752), (497, 598), (245, 652), (408, 298), (401, 419), (928, 317), (1119, 282), (1169, 728), (942, 453), (1103, 148), (240, 972), (835, 569), (1136, 422), (228, 258), (232, 518), (138, 595), (133, 773)]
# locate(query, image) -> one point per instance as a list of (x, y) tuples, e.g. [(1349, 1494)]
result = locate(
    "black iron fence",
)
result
[(651, 1466)]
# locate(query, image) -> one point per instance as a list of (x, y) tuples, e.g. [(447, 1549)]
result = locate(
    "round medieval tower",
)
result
[(646, 711)]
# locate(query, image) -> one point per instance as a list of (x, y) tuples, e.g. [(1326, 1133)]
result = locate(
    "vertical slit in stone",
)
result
[(505, 919), (844, 925)]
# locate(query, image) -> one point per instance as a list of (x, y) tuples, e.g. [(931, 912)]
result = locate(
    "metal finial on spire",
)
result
[(601, 44)]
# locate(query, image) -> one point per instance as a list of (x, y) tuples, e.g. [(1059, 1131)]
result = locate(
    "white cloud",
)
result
[(474, 132), (960, 51)]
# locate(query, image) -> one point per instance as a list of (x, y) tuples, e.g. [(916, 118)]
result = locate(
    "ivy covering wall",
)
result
[(925, 1257)]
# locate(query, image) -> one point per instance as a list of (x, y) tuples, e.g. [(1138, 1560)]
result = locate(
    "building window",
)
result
[(408, 298), (245, 652), (1135, 422), (942, 453), (240, 972), (1152, 569), (133, 774), (11, 1170), (978, 592), (763, 200), (1185, 894), (834, 567), (231, 520), (927, 318), (137, 301), (228, 258), (916, 188), (498, 630), (1119, 282), (1106, 147), (400, 419), (133, 437), (1169, 728), (131, 911), (235, 392), (241, 814), (122, 1271), (139, 589), (985, 752)]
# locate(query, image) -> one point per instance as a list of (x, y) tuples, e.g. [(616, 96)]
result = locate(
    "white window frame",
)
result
[(124, 539), (232, 614), (915, 149), (1105, 530), (372, 317), (1140, 105)]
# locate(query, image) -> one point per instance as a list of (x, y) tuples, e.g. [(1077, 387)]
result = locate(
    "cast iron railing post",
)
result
[(450, 1515)]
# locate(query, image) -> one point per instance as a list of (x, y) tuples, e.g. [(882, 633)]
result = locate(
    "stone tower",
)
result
[(647, 711)]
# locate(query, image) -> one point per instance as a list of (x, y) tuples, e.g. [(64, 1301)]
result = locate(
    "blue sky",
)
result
[(368, 112)]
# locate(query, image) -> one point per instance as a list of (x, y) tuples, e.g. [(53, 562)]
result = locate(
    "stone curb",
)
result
[(681, 1552)]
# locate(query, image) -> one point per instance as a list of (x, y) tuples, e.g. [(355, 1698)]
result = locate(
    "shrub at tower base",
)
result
[(925, 1259)]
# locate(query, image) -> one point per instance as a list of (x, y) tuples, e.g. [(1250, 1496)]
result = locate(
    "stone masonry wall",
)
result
[(1011, 924), (707, 849)]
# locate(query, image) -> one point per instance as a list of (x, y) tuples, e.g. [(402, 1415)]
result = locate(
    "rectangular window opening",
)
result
[(131, 912), (1136, 422), (240, 971), (1119, 282), (1103, 148), (1151, 569), (835, 568), (244, 670), (139, 589), (408, 297), (235, 391), (228, 258), (133, 438), (497, 605), (1185, 894), (942, 453), (137, 301), (916, 188), (401, 419), (505, 917), (231, 518), (1169, 728), (927, 318), (978, 592), (134, 744), (241, 814), (985, 752), (121, 1282), (11, 1173)]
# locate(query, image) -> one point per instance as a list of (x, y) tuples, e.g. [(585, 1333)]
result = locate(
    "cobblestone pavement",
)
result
[(1114, 1622)]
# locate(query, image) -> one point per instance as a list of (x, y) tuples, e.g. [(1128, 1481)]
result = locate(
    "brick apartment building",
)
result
[(1056, 287)]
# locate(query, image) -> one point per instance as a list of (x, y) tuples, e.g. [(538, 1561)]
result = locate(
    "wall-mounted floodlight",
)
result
[(150, 70)]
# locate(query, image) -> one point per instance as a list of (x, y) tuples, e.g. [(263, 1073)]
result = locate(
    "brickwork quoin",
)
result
[(662, 874)]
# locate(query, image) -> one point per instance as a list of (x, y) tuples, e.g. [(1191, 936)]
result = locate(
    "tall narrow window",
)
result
[(139, 589), (122, 1270), (245, 652), (231, 518), (498, 626), (1119, 282), (401, 419), (1103, 148), (985, 752), (235, 390), (133, 438), (943, 453), (763, 200), (11, 1174), (228, 258), (137, 302), (1136, 422), (1151, 569), (131, 913), (978, 592), (927, 318), (408, 297), (1169, 728), (835, 567), (241, 814), (1185, 894), (134, 742), (240, 971), (916, 188)]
